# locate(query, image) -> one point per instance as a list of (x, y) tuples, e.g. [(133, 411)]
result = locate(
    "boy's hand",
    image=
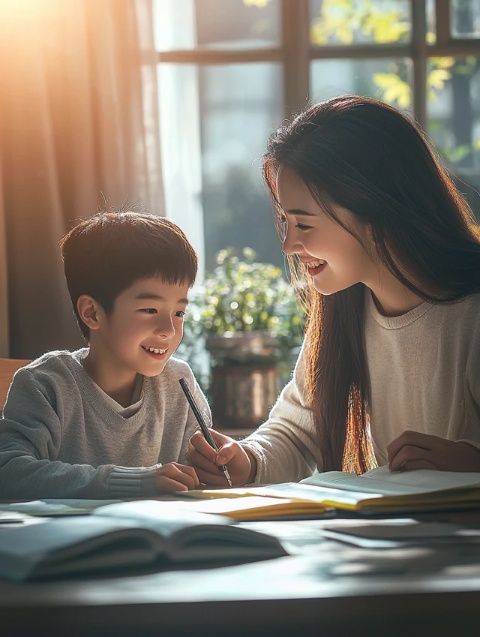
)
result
[(241, 465), (175, 477), (414, 450)]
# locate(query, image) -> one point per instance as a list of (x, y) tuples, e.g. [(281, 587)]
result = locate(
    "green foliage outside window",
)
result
[(341, 19), (346, 22), (242, 295)]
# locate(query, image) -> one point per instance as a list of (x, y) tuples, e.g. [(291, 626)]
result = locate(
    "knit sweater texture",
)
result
[(61, 436), (424, 369)]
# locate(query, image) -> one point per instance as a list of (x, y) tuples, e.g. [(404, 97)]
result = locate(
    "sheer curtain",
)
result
[(179, 106), (79, 131)]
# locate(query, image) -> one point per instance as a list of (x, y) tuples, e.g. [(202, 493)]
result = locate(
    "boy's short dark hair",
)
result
[(107, 253)]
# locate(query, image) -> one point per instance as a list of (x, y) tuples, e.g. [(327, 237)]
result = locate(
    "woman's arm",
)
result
[(285, 447)]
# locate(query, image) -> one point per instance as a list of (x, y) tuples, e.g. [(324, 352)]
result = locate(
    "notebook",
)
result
[(127, 534)]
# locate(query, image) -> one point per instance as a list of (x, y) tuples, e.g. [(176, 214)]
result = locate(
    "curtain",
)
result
[(180, 125), (79, 131)]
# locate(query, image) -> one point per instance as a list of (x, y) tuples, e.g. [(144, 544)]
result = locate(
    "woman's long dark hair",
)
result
[(367, 157)]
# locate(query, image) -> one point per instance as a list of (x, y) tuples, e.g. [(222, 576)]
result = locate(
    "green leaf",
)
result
[(436, 79), (394, 89), (245, 296), (260, 4)]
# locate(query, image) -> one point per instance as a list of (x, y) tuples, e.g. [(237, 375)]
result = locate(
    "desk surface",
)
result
[(326, 588)]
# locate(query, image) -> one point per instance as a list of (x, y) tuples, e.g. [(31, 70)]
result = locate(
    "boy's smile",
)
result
[(155, 351), (138, 336)]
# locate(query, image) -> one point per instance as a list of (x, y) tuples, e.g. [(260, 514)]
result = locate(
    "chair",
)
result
[(8, 367)]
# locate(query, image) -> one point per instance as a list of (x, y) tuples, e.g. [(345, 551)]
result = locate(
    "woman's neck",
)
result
[(392, 297)]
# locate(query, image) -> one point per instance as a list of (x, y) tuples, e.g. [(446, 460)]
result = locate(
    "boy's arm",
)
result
[(30, 438)]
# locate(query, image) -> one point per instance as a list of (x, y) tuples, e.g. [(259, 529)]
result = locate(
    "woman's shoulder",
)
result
[(466, 310), (458, 323)]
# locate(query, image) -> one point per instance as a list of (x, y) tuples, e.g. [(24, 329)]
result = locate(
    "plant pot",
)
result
[(242, 347), (244, 378), (242, 395)]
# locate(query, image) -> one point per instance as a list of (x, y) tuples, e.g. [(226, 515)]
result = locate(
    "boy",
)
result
[(109, 420)]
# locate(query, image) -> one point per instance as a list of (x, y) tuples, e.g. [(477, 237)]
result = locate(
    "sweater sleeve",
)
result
[(471, 435), (30, 440), (284, 446)]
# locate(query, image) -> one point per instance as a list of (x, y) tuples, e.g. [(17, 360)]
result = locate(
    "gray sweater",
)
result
[(61, 436)]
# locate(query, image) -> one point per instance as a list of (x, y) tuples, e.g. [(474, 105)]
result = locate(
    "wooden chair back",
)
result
[(8, 367)]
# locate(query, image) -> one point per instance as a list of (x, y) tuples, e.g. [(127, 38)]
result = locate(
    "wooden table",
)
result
[(327, 589)]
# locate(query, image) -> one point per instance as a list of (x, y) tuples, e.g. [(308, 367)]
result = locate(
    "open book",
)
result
[(381, 489), (126, 534), (377, 491)]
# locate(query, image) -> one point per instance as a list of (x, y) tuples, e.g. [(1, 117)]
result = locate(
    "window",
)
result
[(230, 71)]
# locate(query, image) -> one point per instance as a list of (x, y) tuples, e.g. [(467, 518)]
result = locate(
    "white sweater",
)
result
[(424, 371)]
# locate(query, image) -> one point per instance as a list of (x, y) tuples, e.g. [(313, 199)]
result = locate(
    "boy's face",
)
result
[(144, 327)]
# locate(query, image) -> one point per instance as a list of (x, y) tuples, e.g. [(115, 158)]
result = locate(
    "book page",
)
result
[(65, 545), (166, 518), (382, 481), (193, 535), (257, 507), (294, 491)]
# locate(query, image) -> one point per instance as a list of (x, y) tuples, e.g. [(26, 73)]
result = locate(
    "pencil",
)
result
[(203, 426)]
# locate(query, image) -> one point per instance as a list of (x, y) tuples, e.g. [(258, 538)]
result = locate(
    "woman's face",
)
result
[(333, 257)]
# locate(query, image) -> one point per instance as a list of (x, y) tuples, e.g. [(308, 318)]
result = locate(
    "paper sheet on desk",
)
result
[(14, 518), (257, 507), (399, 532), (294, 492), (54, 507), (385, 482)]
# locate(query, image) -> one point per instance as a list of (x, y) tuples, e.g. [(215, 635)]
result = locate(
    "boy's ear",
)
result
[(89, 311)]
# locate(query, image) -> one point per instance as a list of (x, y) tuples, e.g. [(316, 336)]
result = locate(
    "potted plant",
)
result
[(247, 316)]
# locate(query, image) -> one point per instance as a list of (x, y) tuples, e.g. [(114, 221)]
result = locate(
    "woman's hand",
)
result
[(241, 465), (414, 450), (175, 477)]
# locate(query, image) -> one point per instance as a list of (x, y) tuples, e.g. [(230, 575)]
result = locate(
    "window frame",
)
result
[(295, 53)]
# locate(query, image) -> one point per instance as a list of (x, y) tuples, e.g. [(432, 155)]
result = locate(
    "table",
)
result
[(326, 588)]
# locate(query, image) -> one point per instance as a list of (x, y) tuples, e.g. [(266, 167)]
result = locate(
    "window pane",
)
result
[(181, 150), (210, 24), (215, 124), (353, 22), (240, 106), (431, 35), (466, 18), (385, 79), (454, 118)]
